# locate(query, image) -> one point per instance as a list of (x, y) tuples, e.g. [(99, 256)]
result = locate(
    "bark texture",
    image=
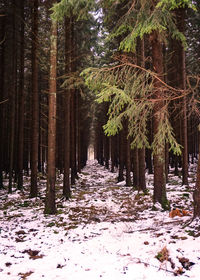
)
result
[(50, 205), (35, 103), (159, 157)]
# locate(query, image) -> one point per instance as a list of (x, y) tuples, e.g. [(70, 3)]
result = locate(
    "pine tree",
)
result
[(125, 89), (35, 103), (21, 100), (50, 205)]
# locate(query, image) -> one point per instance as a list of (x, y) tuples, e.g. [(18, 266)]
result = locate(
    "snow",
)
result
[(106, 231)]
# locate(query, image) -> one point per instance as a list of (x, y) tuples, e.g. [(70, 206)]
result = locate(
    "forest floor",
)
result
[(105, 231)]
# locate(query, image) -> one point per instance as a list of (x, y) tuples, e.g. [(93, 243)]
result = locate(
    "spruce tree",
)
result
[(137, 93)]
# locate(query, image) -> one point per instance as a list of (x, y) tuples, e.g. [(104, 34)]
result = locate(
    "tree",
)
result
[(196, 194), (158, 116), (13, 99), (35, 103), (135, 96), (181, 74), (50, 205), (67, 95), (21, 100), (2, 93)]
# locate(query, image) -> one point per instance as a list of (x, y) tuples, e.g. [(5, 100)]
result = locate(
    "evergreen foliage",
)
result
[(175, 4), (143, 19), (80, 9), (129, 92)]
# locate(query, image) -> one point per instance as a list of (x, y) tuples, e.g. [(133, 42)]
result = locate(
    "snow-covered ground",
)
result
[(106, 231)]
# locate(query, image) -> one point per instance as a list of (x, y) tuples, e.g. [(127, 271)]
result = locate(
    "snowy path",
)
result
[(106, 231)]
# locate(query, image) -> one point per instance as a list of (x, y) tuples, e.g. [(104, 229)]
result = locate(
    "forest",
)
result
[(99, 110)]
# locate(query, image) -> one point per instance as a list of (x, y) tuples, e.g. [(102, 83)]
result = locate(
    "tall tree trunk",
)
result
[(50, 204), (141, 159), (66, 179), (128, 157), (13, 99), (121, 156), (106, 151), (135, 167), (79, 148), (182, 83), (73, 108), (35, 103), (73, 137), (21, 101), (196, 194), (113, 152), (141, 152), (159, 157), (2, 94)]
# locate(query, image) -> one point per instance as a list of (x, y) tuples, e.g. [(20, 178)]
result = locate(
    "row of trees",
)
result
[(147, 100), (45, 123), (152, 103)]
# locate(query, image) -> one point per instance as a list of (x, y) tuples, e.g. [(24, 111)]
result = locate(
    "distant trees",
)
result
[(24, 108)]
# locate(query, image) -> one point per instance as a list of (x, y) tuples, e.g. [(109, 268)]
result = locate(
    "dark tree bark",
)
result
[(106, 151), (73, 137), (121, 156), (149, 151), (128, 157), (79, 148), (50, 205), (66, 179), (35, 103), (21, 100), (196, 194), (159, 157), (166, 161), (13, 99), (141, 152), (180, 13), (113, 147), (73, 109), (141, 159), (135, 167), (2, 94)]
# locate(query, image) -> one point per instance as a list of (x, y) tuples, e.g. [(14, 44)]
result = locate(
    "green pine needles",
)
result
[(144, 17), (129, 90), (78, 8), (175, 4)]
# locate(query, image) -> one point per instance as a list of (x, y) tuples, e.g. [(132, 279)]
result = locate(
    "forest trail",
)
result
[(100, 198), (106, 230)]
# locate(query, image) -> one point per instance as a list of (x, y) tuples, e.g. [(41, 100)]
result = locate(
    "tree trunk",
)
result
[(21, 101), (50, 205), (73, 109), (13, 99), (141, 160), (121, 156), (35, 104), (196, 194), (66, 179), (141, 152), (106, 151), (2, 94), (128, 157), (182, 84), (135, 167), (159, 157)]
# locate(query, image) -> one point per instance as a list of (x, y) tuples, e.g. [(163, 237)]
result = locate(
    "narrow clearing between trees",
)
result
[(105, 231)]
